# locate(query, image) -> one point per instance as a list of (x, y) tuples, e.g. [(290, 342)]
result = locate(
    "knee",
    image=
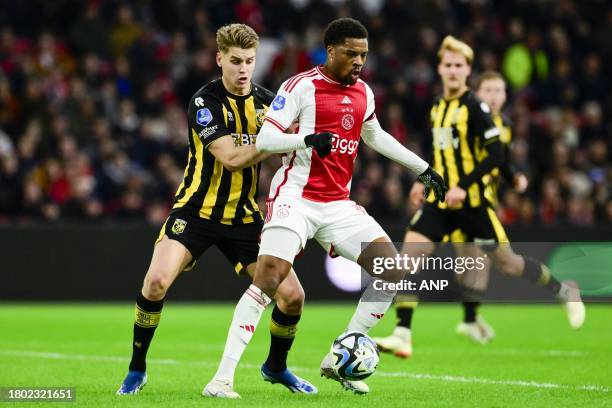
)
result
[(269, 274), (156, 285), (292, 302), (510, 265)]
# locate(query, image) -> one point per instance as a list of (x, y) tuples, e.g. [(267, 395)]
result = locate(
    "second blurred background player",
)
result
[(467, 148)]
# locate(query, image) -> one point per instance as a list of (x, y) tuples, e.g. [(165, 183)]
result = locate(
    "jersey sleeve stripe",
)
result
[(372, 116), (297, 78), (275, 123), (292, 87)]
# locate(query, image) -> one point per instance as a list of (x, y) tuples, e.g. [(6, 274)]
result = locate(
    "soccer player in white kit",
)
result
[(309, 195)]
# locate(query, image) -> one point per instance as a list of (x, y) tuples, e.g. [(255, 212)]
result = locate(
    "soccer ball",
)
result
[(354, 356)]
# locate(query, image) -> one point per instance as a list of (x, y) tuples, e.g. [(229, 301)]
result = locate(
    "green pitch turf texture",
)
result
[(536, 359)]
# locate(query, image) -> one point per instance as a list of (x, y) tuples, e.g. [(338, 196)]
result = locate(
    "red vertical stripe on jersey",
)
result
[(287, 170), (329, 177)]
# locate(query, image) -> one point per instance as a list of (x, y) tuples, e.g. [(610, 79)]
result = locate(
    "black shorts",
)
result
[(239, 243), (479, 225)]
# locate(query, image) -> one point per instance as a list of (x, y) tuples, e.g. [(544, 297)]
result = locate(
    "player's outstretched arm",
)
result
[(375, 137), (235, 157), (272, 140)]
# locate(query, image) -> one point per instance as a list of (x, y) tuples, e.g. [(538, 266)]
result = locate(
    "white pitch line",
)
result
[(416, 376)]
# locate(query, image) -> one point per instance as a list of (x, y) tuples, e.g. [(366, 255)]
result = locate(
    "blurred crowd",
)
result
[(93, 97)]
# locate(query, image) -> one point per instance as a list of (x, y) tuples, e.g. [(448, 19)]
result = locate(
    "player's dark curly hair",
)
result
[(338, 30)]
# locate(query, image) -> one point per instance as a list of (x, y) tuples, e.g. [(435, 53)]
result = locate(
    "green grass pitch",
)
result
[(536, 359)]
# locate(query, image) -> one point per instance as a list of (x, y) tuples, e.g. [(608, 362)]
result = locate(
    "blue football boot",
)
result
[(289, 380), (134, 382)]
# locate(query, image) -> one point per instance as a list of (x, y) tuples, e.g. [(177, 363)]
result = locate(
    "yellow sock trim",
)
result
[(406, 305), (545, 276), (146, 319), (285, 332)]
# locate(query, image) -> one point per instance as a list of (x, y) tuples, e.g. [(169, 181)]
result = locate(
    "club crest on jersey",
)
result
[(259, 116), (179, 226), (347, 121), (278, 103), (204, 117), (283, 210)]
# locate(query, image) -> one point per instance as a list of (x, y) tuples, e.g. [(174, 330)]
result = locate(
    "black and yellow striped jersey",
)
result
[(492, 179), (208, 188), (461, 129)]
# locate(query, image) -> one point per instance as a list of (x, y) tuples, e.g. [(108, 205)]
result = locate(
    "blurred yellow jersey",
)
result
[(491, 180)]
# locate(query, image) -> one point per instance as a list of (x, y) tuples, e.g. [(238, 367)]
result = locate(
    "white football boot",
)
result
[(570, 297), (486, 328), (474, 331), (358, 387), (220, 388), (399, 343)]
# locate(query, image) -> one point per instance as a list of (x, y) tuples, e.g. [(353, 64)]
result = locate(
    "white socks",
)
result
[(246, 317), (371, 308)]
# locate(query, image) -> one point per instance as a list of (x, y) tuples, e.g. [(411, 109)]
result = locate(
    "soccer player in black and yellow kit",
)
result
[(490, 87), (467, 147), (216, 205)]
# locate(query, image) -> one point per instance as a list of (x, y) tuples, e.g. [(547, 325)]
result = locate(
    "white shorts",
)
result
[(340, 227)]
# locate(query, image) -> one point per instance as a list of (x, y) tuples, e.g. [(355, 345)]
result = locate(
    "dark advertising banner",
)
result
[(102, 263)]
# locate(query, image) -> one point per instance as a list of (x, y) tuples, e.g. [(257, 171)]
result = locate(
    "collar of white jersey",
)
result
[(330, 80)]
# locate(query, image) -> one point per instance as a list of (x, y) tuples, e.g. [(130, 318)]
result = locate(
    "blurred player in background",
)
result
[(467, 146), (309, 195), (216, 205), (491, 89)]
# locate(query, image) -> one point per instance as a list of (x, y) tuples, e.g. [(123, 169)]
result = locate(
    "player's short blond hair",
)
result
[(450, 43), (488, 76), (236, 35)]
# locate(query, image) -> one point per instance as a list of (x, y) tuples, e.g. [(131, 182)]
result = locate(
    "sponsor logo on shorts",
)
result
[(179, 226)]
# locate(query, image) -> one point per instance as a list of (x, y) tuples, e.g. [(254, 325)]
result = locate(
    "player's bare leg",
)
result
[(273, 279), (372, 305), (399, 343), (169, 258), (567, 292), (285, 316)]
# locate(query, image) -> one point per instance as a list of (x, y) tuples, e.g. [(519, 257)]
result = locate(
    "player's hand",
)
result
[(416, 196), (520, 183), (433, 181), (321, 142), (455, 196)]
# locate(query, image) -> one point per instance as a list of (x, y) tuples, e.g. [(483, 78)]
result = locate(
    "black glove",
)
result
[(433, 180), (321, 142)]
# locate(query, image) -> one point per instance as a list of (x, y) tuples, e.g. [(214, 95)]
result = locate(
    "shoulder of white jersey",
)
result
[(368, 90), (302, 78)]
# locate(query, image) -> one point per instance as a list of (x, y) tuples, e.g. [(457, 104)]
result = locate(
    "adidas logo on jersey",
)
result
[(346, 100)]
